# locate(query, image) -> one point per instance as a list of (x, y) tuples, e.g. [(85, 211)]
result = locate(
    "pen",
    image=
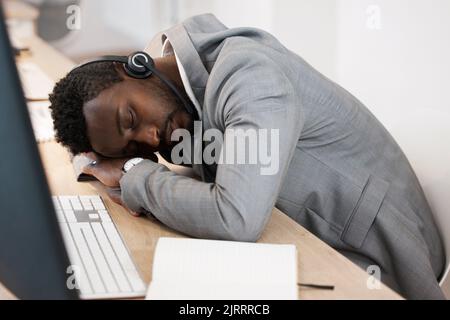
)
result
[(316, 286)]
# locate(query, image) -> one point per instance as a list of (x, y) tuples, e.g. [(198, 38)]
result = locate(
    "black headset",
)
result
[(140, 65)]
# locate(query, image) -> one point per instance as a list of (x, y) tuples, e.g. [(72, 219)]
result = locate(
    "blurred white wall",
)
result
[(304, 26), (108, 26), (112, 27), (394, 56), (403, 64), (309, 29)]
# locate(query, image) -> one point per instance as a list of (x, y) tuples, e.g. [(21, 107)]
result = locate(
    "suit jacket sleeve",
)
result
[(251, 94)]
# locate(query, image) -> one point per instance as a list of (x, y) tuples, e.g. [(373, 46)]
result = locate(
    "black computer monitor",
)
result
[(33, 259)]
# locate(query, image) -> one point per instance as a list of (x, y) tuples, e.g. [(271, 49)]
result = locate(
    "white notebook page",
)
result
[(210, 269)]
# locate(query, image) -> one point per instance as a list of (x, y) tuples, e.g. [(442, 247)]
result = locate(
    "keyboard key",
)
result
[(93, 216), (56, 203), (87, 206), (65, 203), (98, 205), (60, 216), (94, 198), (75, 202), (104, 215), (70, 216), (86, 202)]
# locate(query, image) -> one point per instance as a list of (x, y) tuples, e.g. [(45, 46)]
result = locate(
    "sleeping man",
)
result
[(261, 128)]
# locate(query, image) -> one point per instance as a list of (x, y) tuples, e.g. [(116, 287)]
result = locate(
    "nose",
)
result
[(149, 136)]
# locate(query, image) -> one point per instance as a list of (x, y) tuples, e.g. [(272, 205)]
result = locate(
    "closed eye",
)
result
[(132, 119)]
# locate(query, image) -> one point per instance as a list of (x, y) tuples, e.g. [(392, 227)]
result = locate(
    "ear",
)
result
[(120, 69)]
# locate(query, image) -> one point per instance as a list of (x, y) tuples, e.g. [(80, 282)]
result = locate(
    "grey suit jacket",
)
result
[(341, 174)]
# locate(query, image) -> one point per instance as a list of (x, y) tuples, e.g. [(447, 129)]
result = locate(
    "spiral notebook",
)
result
[(223, 270)]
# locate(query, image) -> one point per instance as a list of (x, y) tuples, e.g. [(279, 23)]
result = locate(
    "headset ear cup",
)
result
[(139, 65)]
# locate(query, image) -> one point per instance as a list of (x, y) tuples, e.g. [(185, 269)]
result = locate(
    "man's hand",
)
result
[(107, 171), (115, 195)]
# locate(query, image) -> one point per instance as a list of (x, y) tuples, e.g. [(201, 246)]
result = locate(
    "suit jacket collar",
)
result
[(190, 59), (188, 40)]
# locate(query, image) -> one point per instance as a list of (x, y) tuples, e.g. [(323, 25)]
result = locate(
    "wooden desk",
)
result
[(317, 262)]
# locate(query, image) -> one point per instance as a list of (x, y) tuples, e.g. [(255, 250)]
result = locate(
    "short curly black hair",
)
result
[(69, 96)]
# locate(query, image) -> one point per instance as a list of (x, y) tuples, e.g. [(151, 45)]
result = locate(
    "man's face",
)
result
[(128, 119)]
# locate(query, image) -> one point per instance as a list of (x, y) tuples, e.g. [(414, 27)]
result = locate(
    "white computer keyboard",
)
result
[(104, 268)]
